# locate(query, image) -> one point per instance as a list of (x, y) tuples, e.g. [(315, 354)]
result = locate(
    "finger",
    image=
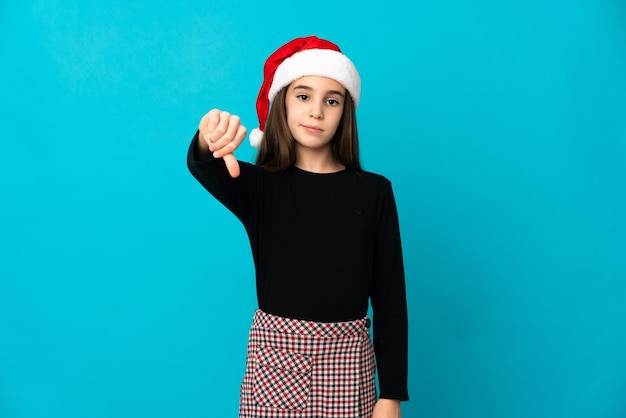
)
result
[(220, 128), (228, 136), (213, 119), (240, 136), (233, 144), (208, 123), (232, 165)]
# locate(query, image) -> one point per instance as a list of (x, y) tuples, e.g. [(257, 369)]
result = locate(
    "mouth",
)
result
[(312, 129)]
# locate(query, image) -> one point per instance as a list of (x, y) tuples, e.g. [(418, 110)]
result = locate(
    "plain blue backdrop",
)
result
[(127, 291)]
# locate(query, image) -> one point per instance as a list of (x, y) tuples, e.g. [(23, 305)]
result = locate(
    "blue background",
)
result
[(127, 291)]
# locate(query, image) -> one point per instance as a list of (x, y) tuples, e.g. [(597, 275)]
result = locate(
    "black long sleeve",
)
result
[(323, 245)]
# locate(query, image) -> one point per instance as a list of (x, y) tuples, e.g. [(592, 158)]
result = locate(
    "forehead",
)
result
[(317, 83)]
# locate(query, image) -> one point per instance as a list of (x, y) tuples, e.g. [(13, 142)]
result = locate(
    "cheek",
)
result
[(292, 112), (290, 117), (288, 110), (337, 116)]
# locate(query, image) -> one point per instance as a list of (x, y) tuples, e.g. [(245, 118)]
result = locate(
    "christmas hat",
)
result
[(309, 56)]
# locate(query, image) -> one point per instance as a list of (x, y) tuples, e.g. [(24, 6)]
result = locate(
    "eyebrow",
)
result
[(305, 87)]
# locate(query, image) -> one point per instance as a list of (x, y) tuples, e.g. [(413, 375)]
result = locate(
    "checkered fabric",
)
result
[(305, 369)]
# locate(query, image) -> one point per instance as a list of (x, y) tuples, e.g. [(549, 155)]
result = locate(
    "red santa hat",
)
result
[(309, 56)]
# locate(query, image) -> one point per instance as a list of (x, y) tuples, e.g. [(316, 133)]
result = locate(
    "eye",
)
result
[(333, 102), (302, 97)]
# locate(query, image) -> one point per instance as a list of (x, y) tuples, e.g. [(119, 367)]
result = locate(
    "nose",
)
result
[(316, 111)]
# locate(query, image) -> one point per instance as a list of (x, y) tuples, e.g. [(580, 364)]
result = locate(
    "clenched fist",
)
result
[(221, 133)]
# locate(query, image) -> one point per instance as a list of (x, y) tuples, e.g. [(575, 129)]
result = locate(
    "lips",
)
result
[(312, 129)]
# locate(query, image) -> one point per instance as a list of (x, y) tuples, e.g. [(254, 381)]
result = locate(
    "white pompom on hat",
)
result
[(309, 56)]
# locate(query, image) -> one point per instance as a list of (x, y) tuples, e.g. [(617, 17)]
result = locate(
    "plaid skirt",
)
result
[(306, 369)]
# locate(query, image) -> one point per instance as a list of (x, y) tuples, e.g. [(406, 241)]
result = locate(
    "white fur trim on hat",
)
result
[(256, 136), (317, 62)]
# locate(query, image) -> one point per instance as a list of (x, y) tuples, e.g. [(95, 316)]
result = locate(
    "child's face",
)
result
[(314, 108)]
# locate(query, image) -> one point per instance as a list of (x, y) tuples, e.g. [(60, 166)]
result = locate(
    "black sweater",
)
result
[(323, 244)]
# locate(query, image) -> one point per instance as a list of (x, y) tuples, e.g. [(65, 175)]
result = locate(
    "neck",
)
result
[(317, 161)]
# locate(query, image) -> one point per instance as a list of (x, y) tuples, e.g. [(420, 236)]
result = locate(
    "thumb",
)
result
[(232, 165)]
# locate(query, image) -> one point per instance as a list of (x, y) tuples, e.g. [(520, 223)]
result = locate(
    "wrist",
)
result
[(390, 401)]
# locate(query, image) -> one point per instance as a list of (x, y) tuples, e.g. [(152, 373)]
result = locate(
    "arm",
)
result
[(389, 306), (212, 163)]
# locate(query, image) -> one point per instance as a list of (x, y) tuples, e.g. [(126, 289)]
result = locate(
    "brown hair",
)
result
[(278, 147)]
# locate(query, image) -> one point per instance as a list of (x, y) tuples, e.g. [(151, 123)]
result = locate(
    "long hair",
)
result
[(278, 147)]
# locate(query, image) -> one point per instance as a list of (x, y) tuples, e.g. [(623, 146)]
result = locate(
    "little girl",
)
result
[(325, 241)]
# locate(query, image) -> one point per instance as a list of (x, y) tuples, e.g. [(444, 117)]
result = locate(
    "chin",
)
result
[(311, 141), (313, 145)]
